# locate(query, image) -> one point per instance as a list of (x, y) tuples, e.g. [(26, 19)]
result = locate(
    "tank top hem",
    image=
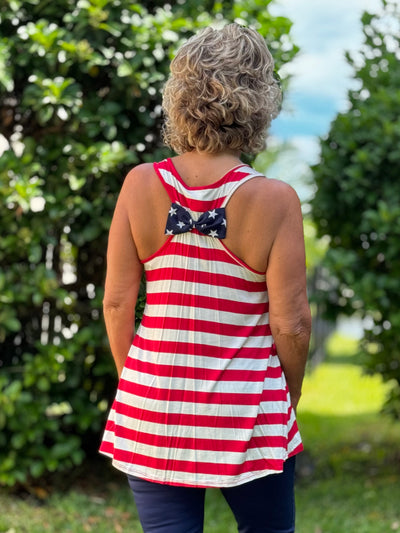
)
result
[(232, 481)]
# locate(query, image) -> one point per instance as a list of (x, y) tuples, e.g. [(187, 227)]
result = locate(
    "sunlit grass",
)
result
[(343, 390), (357, 505), (339, 387), (353, 455), (106, 508), (341, 404)]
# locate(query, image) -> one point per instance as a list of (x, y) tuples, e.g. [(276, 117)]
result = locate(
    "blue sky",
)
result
[(324, 31)]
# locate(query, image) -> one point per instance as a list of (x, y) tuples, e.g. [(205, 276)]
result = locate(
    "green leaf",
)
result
[(45, 114), (43, 384), (6, 79), (124, 69)]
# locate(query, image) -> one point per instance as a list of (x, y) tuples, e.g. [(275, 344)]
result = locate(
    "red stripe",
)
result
[(203, 350), (215, 469), (196, 420), (219, 398), (297, 450), (200, 206), (195, 252), (205, 326), (107, 447), (293, 430), (203, 374), (206, 302), (208, 278), (188, 443), (191, 203)]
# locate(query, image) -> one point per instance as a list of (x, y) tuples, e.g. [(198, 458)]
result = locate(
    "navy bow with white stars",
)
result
[(211, 223)]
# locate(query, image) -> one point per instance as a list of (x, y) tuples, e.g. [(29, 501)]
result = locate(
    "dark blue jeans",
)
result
[(265, 505)]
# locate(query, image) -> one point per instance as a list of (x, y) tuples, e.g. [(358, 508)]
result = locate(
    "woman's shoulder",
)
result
[(142, 190), (275, 193), (272, 185), (139, 173), (141, 183), (140, 178)]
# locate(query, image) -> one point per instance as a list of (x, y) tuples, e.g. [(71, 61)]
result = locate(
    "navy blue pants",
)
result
[(265, 505)]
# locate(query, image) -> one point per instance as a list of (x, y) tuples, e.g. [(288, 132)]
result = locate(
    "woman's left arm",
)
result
[(124, 273)]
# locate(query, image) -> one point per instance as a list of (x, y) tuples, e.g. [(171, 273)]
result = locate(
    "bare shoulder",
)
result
[(275, 189), (283, 195), (279, 196), (140, 175), (139, 182)]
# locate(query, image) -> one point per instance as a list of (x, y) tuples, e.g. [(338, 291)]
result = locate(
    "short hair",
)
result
[(221, 93)]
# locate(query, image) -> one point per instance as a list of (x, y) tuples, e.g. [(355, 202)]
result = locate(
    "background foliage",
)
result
[(80, 86), (357, 203)]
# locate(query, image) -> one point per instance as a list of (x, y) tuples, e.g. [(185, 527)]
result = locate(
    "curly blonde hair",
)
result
[(221, 94)]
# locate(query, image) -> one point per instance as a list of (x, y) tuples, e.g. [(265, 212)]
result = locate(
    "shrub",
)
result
[(357, 200)]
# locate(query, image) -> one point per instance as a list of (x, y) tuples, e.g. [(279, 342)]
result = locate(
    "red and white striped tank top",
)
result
[(202, 400)]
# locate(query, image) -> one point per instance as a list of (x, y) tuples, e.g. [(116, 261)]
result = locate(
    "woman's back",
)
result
[(254, 213), (203, 362)]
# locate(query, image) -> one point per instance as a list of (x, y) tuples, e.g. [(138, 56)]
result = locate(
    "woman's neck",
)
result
[(199, 169)]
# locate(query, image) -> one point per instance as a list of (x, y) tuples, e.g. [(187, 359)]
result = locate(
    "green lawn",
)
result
[(354, 484), (349, 475)]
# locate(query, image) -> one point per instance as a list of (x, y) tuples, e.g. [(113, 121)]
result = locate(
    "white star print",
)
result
[(212, 214), (169, 232), (172, 211), (181, 224), (213, 233), (223, 222)]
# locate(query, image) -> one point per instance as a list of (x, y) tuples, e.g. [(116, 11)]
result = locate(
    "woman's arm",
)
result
[(124, 273), (290, 317)]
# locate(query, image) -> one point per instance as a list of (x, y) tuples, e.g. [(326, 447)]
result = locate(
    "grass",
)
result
[(349, 475), (352, 479)]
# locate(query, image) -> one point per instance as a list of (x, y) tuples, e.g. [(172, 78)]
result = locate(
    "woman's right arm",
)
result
[(290, 317)]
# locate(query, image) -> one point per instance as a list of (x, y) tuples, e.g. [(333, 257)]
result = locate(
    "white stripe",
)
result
[(292, 419), (208, 290), (201, 409), (209, 315), (294, 443), (203, 362), (201, 385), (206, 339)]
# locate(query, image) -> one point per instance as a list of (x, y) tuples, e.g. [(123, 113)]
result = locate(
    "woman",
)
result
[(210, 382)]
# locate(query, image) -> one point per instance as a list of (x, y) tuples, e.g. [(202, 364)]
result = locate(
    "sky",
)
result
[(324, 31)]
